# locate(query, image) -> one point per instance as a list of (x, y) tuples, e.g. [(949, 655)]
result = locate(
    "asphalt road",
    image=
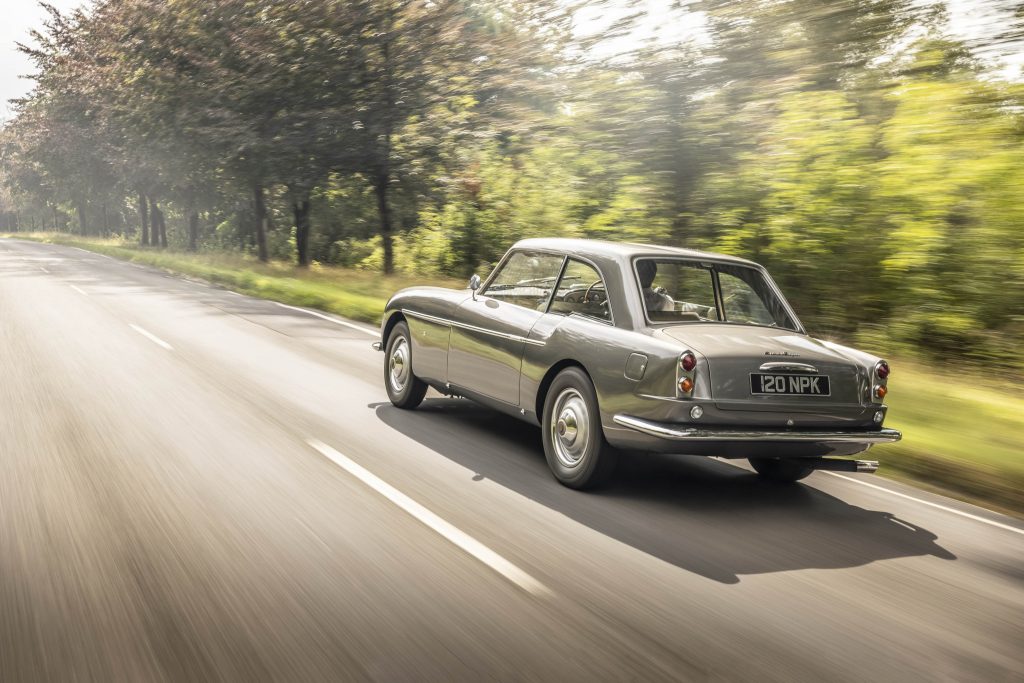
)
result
[(198, 485)]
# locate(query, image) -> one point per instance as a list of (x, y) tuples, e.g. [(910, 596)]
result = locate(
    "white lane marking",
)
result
[(43, 269), (453, 534), (968, 515), (330, 319), (151, 337), (80, 291), (94, 253)]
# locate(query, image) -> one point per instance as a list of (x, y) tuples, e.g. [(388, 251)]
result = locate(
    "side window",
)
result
[(581, 291), (526, 279), (676, 291)]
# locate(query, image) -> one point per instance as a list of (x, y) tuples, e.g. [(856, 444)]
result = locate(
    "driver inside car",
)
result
[(655, 298)]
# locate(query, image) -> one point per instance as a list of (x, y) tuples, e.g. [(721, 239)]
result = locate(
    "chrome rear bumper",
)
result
[(676, 432)]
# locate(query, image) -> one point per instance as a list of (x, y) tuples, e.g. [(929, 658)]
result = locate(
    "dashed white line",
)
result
[(946, 508), (329, 319), (151, 337), (43, 269), (78, 289), (449, 532)]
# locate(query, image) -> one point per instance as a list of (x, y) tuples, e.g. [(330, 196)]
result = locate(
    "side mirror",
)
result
[(474, 284)]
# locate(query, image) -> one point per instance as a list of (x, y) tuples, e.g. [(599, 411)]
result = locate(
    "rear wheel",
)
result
[(574, 443), (782, 470), (404, 389)]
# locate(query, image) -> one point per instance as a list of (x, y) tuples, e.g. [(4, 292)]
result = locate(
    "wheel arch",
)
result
[(549, 377), (389, 325)]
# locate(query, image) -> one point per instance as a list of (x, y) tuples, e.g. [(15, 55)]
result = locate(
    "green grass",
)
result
[(963, 432)]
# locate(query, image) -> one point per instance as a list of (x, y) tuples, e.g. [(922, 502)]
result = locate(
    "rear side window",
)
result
[(581, 291), (677, 290)]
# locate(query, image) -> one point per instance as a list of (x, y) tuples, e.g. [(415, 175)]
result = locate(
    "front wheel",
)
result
[(782, 470), (405, 389), (574, 443)]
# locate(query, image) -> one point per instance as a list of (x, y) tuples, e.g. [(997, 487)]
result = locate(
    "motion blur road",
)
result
[(200, 485)]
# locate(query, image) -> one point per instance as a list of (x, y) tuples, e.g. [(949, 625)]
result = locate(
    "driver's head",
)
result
[(647, 270)]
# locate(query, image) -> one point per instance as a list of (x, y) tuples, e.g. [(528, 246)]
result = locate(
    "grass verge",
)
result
[(962, 432)]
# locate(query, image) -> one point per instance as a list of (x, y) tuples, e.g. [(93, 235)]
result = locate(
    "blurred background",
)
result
[(868, 152)]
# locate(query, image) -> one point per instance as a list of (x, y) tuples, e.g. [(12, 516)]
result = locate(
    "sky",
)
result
[(968, 19), (19, 16)]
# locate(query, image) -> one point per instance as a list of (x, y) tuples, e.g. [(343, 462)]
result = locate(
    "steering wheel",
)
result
[(586, 295)]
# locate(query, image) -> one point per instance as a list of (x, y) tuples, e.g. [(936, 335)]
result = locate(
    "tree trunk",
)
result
[(144, 218), (82, 229), (261, 222), (106, 221), (193, 230), (384, 209), (154, 223), (159, 225), (163, 229), (301, 210), (55, 218), (383, 178)]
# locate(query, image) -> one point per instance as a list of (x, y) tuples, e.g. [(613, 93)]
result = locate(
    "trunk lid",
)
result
[(735, 352)]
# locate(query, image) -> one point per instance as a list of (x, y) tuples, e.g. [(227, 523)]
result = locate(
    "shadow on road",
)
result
[(699, 514)]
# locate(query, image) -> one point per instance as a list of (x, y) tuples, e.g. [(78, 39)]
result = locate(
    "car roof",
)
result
[(603, 249)]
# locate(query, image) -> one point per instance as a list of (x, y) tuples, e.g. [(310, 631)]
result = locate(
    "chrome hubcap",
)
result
[(398, 365), (570, 432)]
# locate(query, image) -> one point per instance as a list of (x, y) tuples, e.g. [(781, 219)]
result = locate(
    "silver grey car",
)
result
[(612, 348)]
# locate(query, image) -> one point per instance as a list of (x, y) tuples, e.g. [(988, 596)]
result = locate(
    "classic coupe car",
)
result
[(613, 348)]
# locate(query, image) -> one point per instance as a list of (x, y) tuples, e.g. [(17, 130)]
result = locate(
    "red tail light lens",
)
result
[(688, 361), (882, 370)]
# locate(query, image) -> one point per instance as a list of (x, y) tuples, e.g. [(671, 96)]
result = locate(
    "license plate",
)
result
[(789, 385)]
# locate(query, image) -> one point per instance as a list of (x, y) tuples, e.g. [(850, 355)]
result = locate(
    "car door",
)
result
[(491, 330)]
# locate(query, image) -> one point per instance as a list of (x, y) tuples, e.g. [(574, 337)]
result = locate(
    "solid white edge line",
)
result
[(448, 531), (329, 319), (79, 290), (94, 253), (968, 515), (151, 337)]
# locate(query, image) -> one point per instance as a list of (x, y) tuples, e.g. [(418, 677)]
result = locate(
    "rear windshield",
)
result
[(675, 290)]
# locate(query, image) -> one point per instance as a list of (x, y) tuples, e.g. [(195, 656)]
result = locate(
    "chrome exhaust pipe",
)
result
[(867, 466), (837, 465)]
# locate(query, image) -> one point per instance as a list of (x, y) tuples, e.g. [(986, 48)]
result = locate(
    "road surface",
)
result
[(199, 485)]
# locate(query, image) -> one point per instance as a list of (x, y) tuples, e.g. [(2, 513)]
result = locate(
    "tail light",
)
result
[(685, 380), (878, 386)]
